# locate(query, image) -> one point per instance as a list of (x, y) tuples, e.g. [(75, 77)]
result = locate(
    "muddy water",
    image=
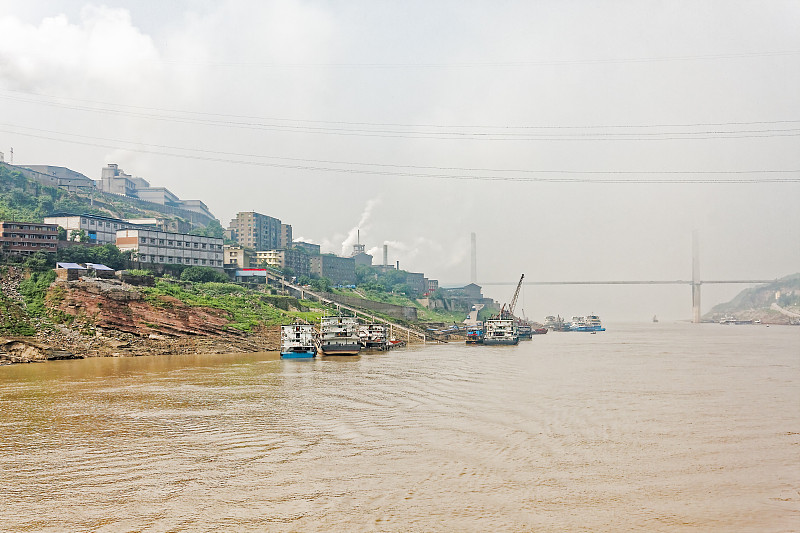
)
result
[(654, 427)]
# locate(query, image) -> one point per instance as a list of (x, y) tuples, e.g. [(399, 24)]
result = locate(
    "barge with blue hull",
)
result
[(298, 341), (475, 334)]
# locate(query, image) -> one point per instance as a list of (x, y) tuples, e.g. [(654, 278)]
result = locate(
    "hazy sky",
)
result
[(332, 115)]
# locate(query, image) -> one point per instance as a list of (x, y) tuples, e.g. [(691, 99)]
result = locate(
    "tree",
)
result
[(212, 229), (322, 285), (108, 255), (39, 262), (62, 234), (78, 235), (203, 274)]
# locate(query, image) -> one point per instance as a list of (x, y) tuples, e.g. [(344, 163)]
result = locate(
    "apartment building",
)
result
[(297, 260), (256, 231), (239, 256), (285, 236), (309, 248), (26, 238), (150, 246), (340, 270)]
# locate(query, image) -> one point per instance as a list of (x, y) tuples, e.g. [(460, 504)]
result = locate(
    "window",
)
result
[(143, 258), (142, 240), (160, 258), (152, 241), (161, 242), (170, 243), (195, 260), (203, 246), (195, 245)]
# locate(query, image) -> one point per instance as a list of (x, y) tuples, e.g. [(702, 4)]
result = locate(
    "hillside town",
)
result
[(104, 255), (251, 242)]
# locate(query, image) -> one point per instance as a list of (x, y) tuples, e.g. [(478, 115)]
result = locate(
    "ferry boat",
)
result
[(475, 334), (555, 323), (501, 331), (588, 323), (339, 336), (373, 336), (298, 341)]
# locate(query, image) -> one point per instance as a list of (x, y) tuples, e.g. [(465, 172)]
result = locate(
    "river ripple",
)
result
[(653, 427)]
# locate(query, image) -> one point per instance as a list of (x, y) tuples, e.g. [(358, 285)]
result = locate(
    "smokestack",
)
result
[(385, 255), (473, 266), (398, 264)]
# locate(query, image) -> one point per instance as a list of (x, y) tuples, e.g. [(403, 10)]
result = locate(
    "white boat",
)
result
[(588, 323), (500, 331), (373, 336), (338, 335), (298, 341)]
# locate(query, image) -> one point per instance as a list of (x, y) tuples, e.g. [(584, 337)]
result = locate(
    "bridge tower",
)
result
[(695, 278)]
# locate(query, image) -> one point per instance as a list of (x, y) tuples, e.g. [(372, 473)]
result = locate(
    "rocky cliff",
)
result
[(96, 317)]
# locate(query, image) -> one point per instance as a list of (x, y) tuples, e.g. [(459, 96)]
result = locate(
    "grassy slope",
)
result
[(25, 200), (247, 308), (423, 313)]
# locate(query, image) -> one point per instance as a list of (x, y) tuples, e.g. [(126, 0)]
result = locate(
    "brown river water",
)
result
[(654, 427)]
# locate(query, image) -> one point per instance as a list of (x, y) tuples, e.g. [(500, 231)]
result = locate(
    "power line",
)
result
[(234, 158), (500, 133), (483, 64), (389, 165)]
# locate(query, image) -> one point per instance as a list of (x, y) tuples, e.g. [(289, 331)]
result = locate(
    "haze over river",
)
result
[(659, 427)]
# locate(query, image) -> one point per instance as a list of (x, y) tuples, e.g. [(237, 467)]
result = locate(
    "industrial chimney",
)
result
[(385, 255)]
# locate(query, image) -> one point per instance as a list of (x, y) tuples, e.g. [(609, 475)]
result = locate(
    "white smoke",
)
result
[(363, 223)]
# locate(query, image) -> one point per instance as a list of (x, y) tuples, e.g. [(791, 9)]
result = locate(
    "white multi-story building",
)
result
[(99, 229), (161, 247)]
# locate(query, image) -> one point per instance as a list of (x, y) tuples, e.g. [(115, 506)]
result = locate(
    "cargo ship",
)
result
[(500, 331), (338, 335)]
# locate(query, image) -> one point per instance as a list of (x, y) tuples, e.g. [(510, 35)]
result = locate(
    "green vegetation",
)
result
[(34, 290), (203, 275), (14, 320), (246, 308), (317, 283), (213, 229), (423, 313), (24, 200), (107, 254), (138, 272), (375, 280)]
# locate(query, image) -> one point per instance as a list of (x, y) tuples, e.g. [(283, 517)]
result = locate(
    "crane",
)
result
[(513, 303)]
